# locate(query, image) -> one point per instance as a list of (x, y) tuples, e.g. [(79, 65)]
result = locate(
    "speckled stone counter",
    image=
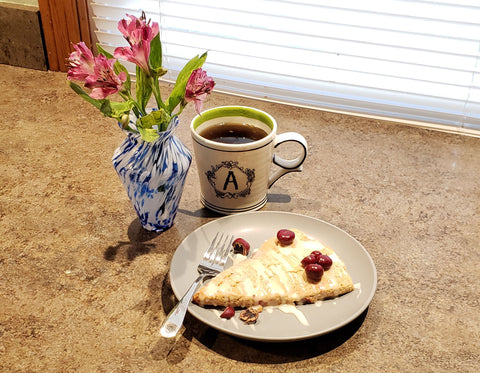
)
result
[(83, 288)]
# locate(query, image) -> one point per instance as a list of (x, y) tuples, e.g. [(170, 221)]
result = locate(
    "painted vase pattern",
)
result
[(153, 174)]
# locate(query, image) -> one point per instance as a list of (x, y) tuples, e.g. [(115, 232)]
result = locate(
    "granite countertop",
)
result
[(84, 288)]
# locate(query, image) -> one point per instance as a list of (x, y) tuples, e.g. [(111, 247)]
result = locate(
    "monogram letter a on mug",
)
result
[(229, 180)]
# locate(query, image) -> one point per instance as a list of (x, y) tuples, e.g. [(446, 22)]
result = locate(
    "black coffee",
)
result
[(233, 133)]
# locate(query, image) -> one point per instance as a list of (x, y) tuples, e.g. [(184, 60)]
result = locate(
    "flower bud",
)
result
[(125, 120)]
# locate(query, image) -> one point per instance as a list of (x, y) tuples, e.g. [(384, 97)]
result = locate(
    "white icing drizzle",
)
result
[(332, 282), (358, 287), (291, 308), (235, 322), (313, 245), (334, 257), (237, 258)]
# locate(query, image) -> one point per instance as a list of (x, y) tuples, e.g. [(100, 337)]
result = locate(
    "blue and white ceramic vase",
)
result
[(153, 173)]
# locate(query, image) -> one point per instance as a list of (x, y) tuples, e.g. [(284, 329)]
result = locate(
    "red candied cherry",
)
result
[(316, 253), (240, 246), (314, 272), (228, 313), (285, 236), (325, 261), (309, 259)]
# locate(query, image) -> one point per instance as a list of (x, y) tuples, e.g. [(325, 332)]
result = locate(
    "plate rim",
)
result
[(352, 317)]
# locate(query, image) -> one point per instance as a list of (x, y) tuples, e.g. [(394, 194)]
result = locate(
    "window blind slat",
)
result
[(327, 37), (460, 74), (329, 17), (410, 60), (376, 51)]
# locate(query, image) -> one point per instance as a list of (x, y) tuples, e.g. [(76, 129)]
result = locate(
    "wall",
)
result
[(21, 2), (22, 43)]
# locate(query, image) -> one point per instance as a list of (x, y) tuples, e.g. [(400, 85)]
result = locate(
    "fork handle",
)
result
[(174, 320)]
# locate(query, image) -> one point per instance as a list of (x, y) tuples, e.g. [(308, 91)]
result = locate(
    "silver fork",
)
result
[(212, 264)]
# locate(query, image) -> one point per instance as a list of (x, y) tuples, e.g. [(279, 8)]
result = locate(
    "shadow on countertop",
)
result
[(276, 352), (138, 245)]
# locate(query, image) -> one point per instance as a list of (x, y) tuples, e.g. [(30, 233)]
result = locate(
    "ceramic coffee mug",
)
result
[(235, 177)]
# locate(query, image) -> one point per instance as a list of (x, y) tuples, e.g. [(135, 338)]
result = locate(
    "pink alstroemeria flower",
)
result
[(139, 35), (105, 81), (199, 86), (81, 63)]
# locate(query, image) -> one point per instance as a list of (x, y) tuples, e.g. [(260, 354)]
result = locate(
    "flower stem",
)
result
[(136, 108), (156, 93), (182, 106)]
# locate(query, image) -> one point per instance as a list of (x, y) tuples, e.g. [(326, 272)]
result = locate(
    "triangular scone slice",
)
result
[(274, 275)]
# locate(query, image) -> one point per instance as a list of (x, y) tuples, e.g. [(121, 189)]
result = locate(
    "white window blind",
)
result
[(406, 60)]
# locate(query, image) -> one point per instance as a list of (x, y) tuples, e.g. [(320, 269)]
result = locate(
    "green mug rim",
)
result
[(233, 111)]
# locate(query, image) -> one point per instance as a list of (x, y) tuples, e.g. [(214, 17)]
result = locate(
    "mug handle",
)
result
[(288, 165)]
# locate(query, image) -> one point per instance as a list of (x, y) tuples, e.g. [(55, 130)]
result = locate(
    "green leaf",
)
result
[(148, 134), (79, 90), (178, 92), (143, 88), (116, 109), (158, 118), (104, 52), (155, 59), (145, 125)]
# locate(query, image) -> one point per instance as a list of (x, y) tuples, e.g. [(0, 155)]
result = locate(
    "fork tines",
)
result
[(218, 251)]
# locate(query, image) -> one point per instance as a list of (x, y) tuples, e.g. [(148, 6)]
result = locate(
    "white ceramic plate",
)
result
[(275, 325)]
